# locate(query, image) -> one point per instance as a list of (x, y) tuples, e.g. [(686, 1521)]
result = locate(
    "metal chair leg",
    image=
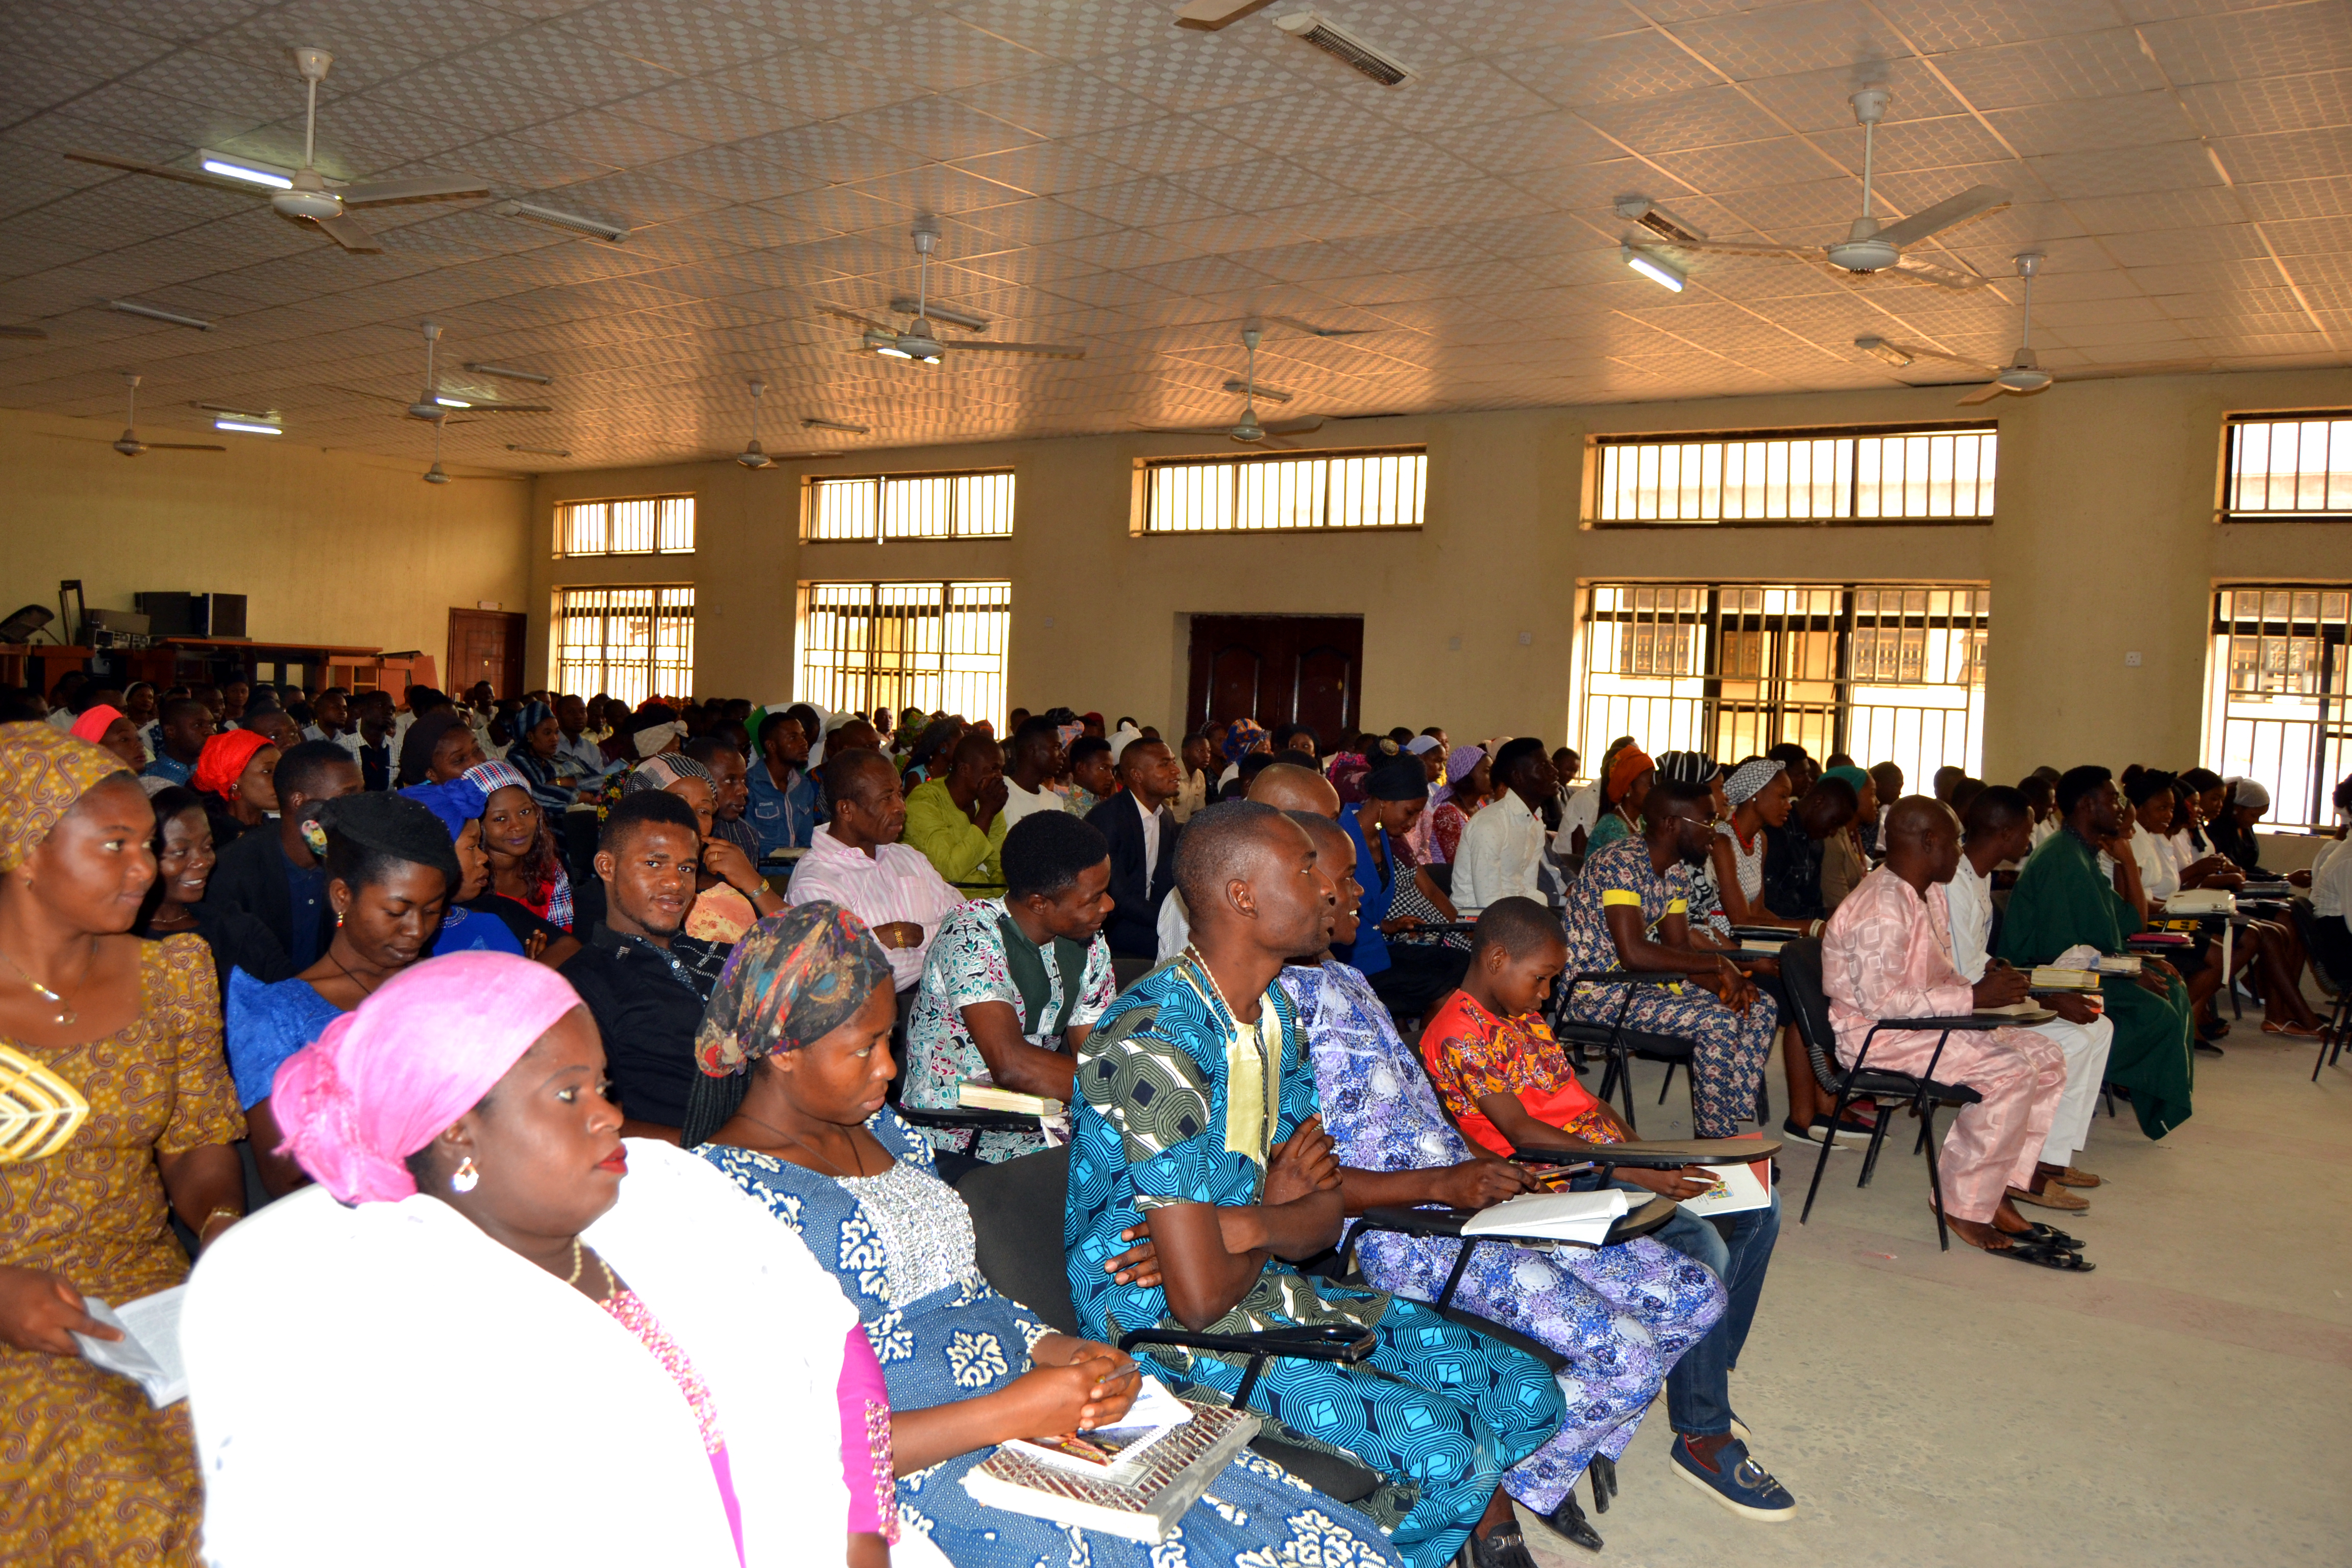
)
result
[(1666, 1083), (2107, 1096), (1877, 1138), (1821, 1160), (1935, 1175)]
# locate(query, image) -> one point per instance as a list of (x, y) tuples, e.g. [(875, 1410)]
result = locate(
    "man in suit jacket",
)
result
[(1142, 832)]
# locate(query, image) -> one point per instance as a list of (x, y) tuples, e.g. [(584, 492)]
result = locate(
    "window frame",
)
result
[(562, 530), (1598, 442), (811, 483), (1147, 468), (562, 615), (2227, 510), (2302, 803), (870, 672)]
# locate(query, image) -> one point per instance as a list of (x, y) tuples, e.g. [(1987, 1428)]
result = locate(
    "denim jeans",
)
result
[(1699, 1395)]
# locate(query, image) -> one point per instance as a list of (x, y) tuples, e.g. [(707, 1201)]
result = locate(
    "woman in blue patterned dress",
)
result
[(794, 1056)]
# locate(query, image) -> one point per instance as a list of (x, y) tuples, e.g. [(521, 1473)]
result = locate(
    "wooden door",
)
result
[(1279, 669), (486, 645)]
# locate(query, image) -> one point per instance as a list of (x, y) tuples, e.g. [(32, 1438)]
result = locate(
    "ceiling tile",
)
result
[(2312, 101), (550, 63), (1609, 70), (678, 39), (938, 129), (1047, 169), (1192, 74), (2052, 70), (607, 139), (936, 52), (705, 112), (1061, 100), (2276, 40), (1946, 26), (1472, 93)]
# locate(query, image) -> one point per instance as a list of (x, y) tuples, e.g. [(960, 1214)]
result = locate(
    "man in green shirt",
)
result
[(957, 819), (2062, 900)]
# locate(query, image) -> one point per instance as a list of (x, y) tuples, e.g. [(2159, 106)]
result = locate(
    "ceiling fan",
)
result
[(2024, 374), (754, 456), (436, 475), (302, 193), (919, 340), (1249, 430), (130, 445), (1869, 246), (435, 404)]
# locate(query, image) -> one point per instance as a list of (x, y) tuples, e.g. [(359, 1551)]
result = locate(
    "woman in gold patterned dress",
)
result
[(90, 1472)]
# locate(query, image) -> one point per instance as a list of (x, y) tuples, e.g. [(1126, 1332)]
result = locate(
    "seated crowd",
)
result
[(424, 1025)]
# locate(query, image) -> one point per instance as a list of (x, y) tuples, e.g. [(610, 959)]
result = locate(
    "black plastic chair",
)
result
[(1018, 1211), (957, 1118), (1800, 971), (2325, 951), (1617, 1044)]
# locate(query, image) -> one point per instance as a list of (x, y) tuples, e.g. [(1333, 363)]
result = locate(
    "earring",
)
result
[(465, 1178)]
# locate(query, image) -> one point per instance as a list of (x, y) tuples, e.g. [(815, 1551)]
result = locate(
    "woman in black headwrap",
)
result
[(437, 748)]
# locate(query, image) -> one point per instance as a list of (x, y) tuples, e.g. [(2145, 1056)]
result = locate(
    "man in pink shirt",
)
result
[(1887, 953), (856, 861)]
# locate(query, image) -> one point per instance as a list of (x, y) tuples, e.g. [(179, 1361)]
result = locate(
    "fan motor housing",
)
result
[(1863, 255)]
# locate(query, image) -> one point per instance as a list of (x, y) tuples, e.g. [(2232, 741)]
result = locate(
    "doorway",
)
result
[(486, 645), (1279, 669)]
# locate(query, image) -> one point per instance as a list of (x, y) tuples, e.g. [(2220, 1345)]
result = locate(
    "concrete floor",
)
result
[(2187, 1403)]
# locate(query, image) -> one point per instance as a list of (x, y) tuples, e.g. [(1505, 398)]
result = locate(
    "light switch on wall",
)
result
[(1526, 638), (1454, 644), (2131, 659)]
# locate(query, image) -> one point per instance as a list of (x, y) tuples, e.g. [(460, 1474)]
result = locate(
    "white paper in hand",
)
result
[(148, 1350), (1552, 1216)]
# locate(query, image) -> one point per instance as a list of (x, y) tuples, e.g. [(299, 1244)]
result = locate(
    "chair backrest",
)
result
[(1016, 1222), (1801, 976), (2321, 945)]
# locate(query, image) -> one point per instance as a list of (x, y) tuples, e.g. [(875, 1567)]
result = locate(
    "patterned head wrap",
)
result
[(1687, 767), (533, 716), (1631, 764), (1242, 737), (792, 979), (388, 1077), (1460, 763), (661, 771), (1749, 781), (492, 777), (95, 722), (223, 761), (456, 803), (43, 770), (653, 737)]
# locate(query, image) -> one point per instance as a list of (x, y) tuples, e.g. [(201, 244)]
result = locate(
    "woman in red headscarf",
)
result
[(237, 774)]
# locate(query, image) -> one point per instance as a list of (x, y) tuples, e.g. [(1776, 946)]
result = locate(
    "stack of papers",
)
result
[(1583, 1217)]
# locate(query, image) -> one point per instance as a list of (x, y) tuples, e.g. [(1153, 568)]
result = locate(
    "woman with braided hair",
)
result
[(391, 872)]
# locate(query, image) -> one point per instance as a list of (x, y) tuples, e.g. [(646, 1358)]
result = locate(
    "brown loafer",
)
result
[(2051, 1196), (2072, 1178)]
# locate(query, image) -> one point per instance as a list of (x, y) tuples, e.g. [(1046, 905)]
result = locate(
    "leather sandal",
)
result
[(2043, 1255), (2052, 1196)]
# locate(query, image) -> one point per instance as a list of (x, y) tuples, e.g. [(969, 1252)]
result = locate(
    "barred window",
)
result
[(1881, 671), (2278, 685), (911, 506), (630, 643), (2289, 466), (638, 525), (1798, 477), (1273, 492), (940, 646)]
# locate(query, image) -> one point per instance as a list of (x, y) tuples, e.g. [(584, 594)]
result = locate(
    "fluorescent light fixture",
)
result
[(132, 308), (1884, 350), (446, 402), (610, 233), (509, 374), (246, 427), (812, 421), (214, 164), (1656, 271), (542, 451), (908, 305)]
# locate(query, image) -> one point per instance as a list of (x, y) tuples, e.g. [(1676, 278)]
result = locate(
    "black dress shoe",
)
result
[(1501, 1547), (1569, 1520)]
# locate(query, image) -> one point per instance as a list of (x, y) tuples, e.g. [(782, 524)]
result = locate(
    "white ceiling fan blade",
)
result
[(1916, 351), (509, 409), (1985, 393), (1314, 331), (1216, 16), (1184, 429), (29, 333), (179, 447), (1043, 351), (348, 235), (1741, 248), (1311, 423), (1911, 270), (1972, 202), (164, 172), (425, 187)]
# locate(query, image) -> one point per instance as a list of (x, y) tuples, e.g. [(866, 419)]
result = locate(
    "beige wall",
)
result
[(2106, 544), (330, 547)]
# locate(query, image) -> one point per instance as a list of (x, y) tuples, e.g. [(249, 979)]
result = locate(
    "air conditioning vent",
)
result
[(1308, 27)]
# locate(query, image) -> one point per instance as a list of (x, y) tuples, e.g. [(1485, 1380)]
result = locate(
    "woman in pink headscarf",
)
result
[(494, 1332)]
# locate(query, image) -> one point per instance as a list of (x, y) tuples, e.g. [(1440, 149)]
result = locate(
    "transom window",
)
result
[(1276, 493), (940, 646), (911, 506), (634, 525), (1780, 477), (2289, 466), (630, 643), (1883, 672), (2278, 687)]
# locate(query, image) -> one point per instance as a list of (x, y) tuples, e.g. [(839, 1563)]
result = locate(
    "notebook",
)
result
[(1738, 1188), (148, 1350), (1582, 1217), (1146, 1507)]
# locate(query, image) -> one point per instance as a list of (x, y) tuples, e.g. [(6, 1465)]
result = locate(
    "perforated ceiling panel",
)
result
[(1105, 179)]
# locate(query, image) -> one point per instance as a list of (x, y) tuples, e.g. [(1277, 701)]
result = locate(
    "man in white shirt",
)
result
[(856, 861), (573, 746), (1501, 852), (2000, 827), (1037, 758)]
